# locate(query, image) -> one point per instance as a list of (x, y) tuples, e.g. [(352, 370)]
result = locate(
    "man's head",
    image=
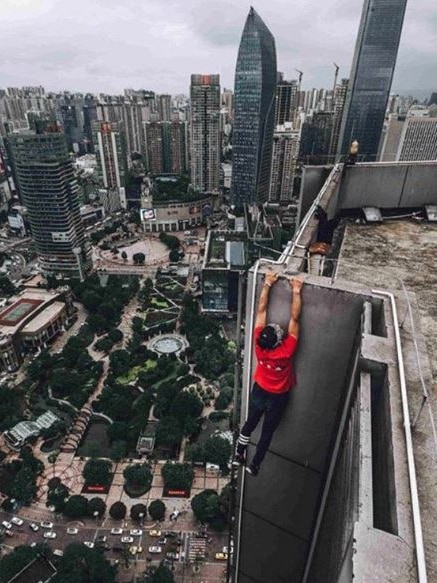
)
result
[(271, 336)]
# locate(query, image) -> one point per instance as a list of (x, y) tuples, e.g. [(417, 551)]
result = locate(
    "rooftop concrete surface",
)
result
[(388, 255)]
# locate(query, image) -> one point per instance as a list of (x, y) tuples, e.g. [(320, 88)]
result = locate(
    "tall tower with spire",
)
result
[(255, 91)]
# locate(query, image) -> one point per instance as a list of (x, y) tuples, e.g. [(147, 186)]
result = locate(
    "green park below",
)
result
[(134, 372)]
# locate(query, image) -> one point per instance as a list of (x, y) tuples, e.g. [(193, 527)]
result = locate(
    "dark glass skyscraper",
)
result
[(371, 75), (255, 91)]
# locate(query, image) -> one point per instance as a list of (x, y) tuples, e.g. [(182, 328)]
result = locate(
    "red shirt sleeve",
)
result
[(289, 345)]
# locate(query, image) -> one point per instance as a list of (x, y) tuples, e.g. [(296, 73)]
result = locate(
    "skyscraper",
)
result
[(255, 91), (43, 171), (371, 75), (338, 106), (410, 138), (205, 131), (164, 107), (286, 101), (166, 147), (110, 154), (286, 143)]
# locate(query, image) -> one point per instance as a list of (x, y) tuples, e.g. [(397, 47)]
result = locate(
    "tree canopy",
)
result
[(83, 565), (139, 477), (118, 510), (138, 511), (157, 509), (96, 505), (98, 472), (177, 476), (76, 506)]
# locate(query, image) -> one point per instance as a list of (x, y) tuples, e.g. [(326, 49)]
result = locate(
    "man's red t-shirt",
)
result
[(274, 371)]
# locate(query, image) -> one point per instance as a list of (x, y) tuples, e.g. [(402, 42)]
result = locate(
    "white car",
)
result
[(7, 525), (71, 530), (34, 526), (46, 524), (116, 531), (17, 521), (155, 550), (50, 534), (88, 544), (136, 532), (127, 539)]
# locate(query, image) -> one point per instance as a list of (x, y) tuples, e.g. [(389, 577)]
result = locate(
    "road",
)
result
[(211, 571)]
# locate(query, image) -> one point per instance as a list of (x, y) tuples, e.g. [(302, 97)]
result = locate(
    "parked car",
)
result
[(17, 521), (136, 532), (170, 533), (116, 531), (58, 553), (154, 533), (88, 544), (101, 538), (71, 530), (33, 526), (127, 539), (172, 555), (155, 550), (221, 556), (46, 524), (50, 534), (133, 550), (117, 548), (7, 524), (9, 532), (162, 540)]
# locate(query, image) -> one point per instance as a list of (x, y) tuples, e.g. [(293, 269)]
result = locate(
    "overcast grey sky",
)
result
[(107, 45)]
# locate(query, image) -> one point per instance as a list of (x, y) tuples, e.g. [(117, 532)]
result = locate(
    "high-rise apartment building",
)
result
[(205, 132), (178, 147), (410, 138), (371, 75), (286, 101), (111, 163), (166, 147), (255, 92), (44, 175), (164, 107), (286, 143), (315, 138)]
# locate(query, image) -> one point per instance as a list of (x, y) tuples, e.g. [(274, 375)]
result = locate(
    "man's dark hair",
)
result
[(270, 337)]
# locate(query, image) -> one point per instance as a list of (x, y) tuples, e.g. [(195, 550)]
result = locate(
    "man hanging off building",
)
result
[(274, 374)]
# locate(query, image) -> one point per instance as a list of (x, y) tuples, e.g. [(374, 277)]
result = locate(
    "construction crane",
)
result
[(337, 68), (300, 76)]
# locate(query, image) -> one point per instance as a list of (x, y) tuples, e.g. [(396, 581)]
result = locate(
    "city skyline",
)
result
[(106, 47)]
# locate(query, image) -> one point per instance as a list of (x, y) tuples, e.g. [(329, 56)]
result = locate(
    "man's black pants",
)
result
[(272, 406)]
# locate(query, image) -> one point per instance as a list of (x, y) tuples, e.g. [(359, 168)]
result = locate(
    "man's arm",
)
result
[(296, 306), (261, 315)]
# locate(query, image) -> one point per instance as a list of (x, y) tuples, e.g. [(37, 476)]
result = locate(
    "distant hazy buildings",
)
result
[(44, 175), (371, 75), (286, 142), (205, 132), (255, 92)]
